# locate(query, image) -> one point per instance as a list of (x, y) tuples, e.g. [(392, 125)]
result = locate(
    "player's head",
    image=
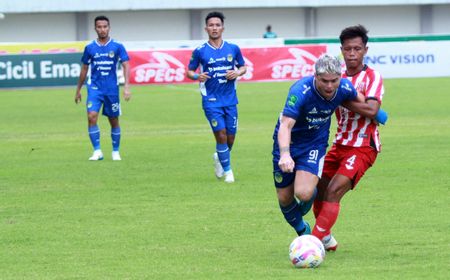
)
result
[(214, 22), (327, 75), (102, 26), (354, 45), (269, 28)]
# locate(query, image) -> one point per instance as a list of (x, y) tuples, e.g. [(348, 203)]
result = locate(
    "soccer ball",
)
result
[(306, 251)]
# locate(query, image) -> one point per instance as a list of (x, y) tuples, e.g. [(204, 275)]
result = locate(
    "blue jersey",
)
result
[(217, 91), (312, 112), (103, 66)]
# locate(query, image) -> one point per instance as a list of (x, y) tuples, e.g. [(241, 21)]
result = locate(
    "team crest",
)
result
[(229, 58), (111, 54), (278, 177), (292, 100), (214, 122)]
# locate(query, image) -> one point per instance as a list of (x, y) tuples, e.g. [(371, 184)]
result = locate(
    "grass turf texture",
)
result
[(161, 214)]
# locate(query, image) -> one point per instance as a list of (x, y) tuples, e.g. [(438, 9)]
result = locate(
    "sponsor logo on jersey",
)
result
[(230, 58), (211, 61), (346, 86), (313, 111), (278, 177), (292, 100)]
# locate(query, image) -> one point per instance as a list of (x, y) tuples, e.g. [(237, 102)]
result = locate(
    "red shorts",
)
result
[(349, 161)]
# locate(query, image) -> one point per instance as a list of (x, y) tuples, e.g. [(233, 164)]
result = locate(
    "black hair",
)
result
[(215, 15), (101, 18), (354, 32)]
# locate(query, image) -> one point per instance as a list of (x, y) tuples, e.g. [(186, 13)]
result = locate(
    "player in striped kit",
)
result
[(357, 142)]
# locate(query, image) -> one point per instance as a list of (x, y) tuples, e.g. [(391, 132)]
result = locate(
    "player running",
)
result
[(301, 137), (221, 63), (101, 57), (357, 142)]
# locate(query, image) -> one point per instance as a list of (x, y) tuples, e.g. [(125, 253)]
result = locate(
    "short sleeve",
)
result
[(195, 60)]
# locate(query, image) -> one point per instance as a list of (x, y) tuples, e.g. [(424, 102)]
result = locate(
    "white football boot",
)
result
[(329, 243), (229, 177), (97, 155), (116, 155), (218, 169)]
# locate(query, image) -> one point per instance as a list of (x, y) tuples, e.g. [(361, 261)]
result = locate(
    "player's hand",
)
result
[(126, 93), (77, 97), (286, 163), (232, 74), (202, 77)]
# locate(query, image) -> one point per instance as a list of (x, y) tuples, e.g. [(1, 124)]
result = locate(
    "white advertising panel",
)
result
[(407, 59)]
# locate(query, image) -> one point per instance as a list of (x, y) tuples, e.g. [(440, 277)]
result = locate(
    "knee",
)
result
[(335, 192), (304, 194)]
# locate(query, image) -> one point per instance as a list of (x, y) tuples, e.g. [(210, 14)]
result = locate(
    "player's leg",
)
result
[(231, 124), (284, 183), (93, 105), (112, 110), (216, 120), (353, 164), (305, 189)]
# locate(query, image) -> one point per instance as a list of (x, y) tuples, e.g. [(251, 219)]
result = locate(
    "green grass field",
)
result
[(160, 213)]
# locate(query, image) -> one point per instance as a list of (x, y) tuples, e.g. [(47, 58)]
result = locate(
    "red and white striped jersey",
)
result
[(353, 129)]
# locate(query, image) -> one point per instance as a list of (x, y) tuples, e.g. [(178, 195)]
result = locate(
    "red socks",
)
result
[(326, 215)]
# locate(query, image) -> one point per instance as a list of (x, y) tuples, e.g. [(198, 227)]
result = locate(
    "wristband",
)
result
[(195, 77)]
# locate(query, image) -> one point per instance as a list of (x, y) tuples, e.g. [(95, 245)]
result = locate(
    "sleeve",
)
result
[(195, 60), (123, 55), (86, 58), (239, 58), (293, 103), (375, 88), (351, 93)]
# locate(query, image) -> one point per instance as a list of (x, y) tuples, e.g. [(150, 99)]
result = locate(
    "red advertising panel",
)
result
[(263, 64)]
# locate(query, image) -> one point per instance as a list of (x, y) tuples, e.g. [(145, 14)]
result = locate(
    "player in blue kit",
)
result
[(101, 57), (301, 137), (221, 63)]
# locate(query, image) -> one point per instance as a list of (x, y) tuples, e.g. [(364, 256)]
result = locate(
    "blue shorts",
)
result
[(307, 158), (111, 104), (223, 117)]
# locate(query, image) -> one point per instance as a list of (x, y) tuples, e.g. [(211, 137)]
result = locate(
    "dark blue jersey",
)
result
[(312, 112), (217, 91), (102, 60)]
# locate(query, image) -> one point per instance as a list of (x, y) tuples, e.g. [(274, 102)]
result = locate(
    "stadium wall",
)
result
[(187, 24)]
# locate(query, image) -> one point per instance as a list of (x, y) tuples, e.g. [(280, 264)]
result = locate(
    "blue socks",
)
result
[(224, 156), (94, 135), (115, 137), (293, 216)]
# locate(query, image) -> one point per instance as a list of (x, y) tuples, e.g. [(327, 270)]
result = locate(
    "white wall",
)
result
[(441, 19), (38, 27), (145, 25), (239, 23), (251, 23), (394, 20)]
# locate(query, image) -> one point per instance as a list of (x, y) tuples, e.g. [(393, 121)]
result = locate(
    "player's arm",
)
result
[(369, 108), (233, 74), (202, 77), (126, 76), (286, 163), (83, 74)]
